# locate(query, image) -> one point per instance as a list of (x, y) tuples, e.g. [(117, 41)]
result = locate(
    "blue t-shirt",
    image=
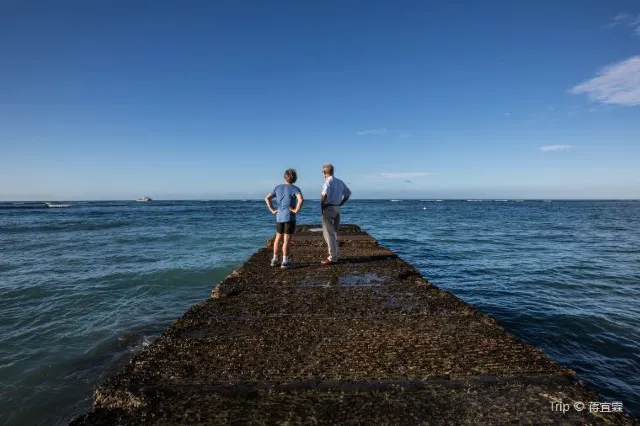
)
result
[(285, 196)]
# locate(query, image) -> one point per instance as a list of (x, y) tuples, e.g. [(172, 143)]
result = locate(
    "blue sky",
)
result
[(177, 100)]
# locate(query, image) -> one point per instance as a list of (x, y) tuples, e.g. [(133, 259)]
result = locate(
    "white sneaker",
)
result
[(286, 265), (274, 262)]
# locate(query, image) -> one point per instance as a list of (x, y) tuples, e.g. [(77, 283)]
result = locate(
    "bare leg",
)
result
[(285, 244), (276, 244)]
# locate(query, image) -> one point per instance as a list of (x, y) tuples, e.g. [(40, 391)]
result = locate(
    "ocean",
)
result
[(85, 287)]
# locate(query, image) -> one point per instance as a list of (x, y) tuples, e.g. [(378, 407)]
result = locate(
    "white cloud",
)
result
[(372, 132), (405, 175), (617, 84), (555, 148)]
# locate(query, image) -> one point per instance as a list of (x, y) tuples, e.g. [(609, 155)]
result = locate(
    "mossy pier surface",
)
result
[(366, 341)]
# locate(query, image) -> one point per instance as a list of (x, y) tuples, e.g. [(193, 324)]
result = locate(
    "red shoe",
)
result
[(328, 261)]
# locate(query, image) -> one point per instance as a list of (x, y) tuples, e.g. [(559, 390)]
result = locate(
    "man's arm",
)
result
[(323, 195), (323, 199), (345, 195), (299, 205), (267, 200)]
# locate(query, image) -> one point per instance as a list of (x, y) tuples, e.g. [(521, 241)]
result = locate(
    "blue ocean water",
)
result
[(83, 288)]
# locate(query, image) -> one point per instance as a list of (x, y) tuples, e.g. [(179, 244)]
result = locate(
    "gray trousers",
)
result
[(330, 225)]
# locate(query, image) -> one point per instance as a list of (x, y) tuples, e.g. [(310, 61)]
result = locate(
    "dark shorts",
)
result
[(285, 227)]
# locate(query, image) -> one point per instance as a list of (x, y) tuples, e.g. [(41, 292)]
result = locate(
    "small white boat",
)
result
[(143, 199), (57, 206)]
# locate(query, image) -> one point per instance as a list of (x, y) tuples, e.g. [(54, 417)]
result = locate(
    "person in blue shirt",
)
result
[(289, 201)]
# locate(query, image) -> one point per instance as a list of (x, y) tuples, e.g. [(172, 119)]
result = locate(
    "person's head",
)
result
[(290, 176), (327, 170)]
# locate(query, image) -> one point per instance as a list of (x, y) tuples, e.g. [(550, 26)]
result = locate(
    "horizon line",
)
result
[(317, 199)]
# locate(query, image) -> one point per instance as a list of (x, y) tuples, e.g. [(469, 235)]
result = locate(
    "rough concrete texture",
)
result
[(366, 341)]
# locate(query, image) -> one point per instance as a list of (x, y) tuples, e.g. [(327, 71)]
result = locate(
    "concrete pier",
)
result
[(366, 341)]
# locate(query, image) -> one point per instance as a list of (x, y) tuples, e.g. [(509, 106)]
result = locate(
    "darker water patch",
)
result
[(314, 283), (5, 267), (68, 227), (23, 206), (361, 280), (398, 241), (353, 280)]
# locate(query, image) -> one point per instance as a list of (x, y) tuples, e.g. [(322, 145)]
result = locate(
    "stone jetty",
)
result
[(366, 341)]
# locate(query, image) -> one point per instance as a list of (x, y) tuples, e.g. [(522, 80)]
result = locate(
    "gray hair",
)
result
[(328, 168)]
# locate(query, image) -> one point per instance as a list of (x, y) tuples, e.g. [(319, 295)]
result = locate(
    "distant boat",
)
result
[(144, 199), (395, 201), (56, 206)]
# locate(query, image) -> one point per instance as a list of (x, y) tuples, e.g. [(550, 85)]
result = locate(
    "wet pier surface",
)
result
[(366, 341)]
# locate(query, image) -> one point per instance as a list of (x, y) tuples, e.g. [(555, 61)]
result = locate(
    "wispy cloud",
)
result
[(600, 108), (384, 132), (372, 132), (626, 20), (619, 19), (617, 84), (555, 148), (404, 175)]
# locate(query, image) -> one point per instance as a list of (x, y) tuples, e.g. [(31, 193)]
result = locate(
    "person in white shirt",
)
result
[(334, 194)]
